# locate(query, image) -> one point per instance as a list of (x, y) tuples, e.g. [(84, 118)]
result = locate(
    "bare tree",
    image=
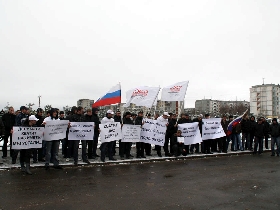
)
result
[(47, 107)]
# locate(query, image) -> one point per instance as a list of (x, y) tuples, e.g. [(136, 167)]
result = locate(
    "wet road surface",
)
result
[(228, 182)]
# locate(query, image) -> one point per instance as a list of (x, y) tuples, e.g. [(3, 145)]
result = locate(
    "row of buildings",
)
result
[(264, 101)]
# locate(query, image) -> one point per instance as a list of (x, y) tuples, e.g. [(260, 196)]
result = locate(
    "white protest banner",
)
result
[(27, 137), (175, 92), (153, 132), (191, 133), (131, 133), (147, 130), (55, 130), (110, 132), (142, 96), (212, 129), (81, 131)]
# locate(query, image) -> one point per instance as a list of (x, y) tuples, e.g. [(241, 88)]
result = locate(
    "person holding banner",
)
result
[(25, 154), (177, 145), (185, 119), (140, 146), (125, 147), (163, 119), (207, 142), (79, 117), (107, 145), (52, 146)]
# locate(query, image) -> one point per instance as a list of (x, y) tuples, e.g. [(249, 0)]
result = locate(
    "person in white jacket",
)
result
[(52, 147)]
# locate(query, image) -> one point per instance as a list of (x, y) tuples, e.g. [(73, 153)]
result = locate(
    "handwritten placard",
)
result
[(212, 129), (55, 130), (27, 137), (110, 132), (131, 133), (81, 131)]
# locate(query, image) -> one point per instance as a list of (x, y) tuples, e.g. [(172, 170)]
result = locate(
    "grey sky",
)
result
[(67, 50)]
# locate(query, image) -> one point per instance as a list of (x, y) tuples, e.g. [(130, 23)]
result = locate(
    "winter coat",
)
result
[(259, 130), (9, 121), (274, 130), (245, 126)]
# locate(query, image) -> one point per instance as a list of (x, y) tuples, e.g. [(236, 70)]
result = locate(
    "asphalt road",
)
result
[(227, 182)]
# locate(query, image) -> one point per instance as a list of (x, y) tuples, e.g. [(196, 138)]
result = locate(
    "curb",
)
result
[(137, 161)]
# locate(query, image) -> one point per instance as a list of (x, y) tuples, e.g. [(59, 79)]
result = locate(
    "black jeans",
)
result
[(25, 155), (106, 146), (140, 149)]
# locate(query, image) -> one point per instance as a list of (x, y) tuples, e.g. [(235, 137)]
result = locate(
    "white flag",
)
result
[(142, 96), (175, 92)]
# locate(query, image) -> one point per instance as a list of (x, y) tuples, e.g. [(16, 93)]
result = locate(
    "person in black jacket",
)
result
[(8, 121), (25, 154), (96, 131), (266, 131), (274, 130), (259, 134), (177, 147), (245, 128), (89, 118), (117, 118), (140, 145), (38, 152), (252, 126), (126, 145), (2, 133), (79, 117), (171, 129), (20, 119), (70, 144)]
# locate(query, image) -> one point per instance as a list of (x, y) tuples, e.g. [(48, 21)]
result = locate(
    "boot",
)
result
[(22, 167), (28, 169)]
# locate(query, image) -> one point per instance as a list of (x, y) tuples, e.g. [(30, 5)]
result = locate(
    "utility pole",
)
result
[(39, 101), (263, 80)]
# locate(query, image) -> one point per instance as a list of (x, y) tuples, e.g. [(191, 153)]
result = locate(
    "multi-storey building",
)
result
[(217, 107), (264, 100), (85, 103)]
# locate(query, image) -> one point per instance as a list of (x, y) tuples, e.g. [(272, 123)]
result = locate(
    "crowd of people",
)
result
[(249, 134)]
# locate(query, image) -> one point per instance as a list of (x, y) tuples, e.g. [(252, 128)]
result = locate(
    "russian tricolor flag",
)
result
[(112, 97), (234, 123)]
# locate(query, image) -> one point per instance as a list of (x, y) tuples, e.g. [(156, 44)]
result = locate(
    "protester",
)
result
[(185, 119), (20, 118), (39, 153), (79, 117), (266, 131), (96, 131), (8, 121), (196, 146), (2, 134), (125, 147), (274, 130), (89, 143), (163, 119), (171, 129), (117, 118), (52, 146), (223, 144), (177, 147), (252, 131), (140, 146), (25, 154), (245, 127), (259, 135), (107, 145)]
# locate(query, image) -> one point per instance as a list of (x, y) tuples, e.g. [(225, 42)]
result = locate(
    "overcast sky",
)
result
[(67, 50)]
